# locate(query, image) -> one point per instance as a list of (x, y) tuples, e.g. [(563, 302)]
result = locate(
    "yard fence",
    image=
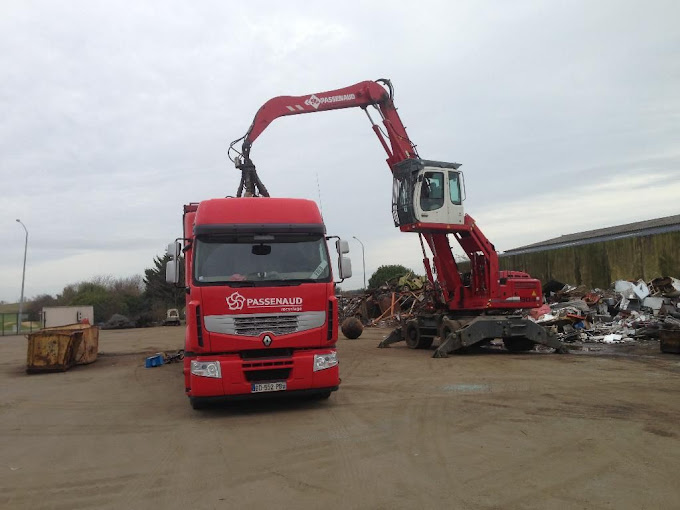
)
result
[(9, 322)]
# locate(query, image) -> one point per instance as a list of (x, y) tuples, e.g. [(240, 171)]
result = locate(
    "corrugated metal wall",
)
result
[(599, 264)]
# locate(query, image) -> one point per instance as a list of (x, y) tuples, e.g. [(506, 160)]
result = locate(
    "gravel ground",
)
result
[(595, 429)]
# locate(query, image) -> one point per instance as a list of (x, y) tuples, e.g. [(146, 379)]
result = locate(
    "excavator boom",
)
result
[(377, 93)]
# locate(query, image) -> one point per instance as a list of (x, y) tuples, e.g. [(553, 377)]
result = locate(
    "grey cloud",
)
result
[(115, 115)]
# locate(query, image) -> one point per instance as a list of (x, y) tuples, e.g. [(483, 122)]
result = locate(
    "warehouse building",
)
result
[(596, 258)]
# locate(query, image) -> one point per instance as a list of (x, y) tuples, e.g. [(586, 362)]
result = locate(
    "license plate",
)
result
[(268, 386)]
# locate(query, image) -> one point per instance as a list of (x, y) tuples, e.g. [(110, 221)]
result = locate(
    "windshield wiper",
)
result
[(284, 283), (239, 283)]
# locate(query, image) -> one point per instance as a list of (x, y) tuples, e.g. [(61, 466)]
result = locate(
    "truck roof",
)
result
[(220, 214)]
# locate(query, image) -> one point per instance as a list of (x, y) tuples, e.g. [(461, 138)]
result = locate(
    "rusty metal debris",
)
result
[(627, 312), (388, 305)]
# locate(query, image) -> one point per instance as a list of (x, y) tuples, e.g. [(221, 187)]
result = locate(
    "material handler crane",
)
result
[(427, 199)]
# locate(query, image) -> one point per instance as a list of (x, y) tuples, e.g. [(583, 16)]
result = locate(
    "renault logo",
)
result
[(267, 340)]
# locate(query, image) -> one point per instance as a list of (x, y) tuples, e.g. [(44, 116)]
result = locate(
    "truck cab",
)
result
[(261, 312)]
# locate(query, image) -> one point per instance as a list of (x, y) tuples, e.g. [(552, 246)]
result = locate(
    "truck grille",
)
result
[(274, 374), (277, 324), (254, 324)]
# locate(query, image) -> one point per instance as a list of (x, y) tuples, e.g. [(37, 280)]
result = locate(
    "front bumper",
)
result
[(239, 374)]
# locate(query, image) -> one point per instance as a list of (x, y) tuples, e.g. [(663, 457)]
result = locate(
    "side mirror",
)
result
[(344, 263), (344, 267), (172, 272), (174, 250), (172, 267), (342, 246)]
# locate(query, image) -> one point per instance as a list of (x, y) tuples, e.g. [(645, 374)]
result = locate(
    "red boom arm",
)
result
[(363, 94)]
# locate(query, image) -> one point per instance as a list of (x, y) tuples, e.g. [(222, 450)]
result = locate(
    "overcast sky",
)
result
[(565, 116)]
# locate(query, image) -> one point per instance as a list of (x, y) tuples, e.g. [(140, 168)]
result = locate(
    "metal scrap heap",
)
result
[(627, 312), (386, 305)]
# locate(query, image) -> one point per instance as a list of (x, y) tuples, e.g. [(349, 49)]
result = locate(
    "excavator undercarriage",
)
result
[(467, 334)]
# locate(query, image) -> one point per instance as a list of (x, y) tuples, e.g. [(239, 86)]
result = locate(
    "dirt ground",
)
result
[(590, 430)]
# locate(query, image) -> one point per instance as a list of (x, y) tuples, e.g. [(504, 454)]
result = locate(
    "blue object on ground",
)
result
[(154, 361)]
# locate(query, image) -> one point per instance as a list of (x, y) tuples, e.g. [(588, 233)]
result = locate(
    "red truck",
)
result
[(261, 312)]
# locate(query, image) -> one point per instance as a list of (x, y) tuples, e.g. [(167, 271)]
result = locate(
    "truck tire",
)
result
[(197, 403), (518, 344)]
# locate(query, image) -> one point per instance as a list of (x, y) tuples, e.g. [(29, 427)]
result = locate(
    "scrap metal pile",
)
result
[(387, 305), (625, 313)]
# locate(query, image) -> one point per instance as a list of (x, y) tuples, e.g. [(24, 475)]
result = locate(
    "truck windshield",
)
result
[(247, 259)]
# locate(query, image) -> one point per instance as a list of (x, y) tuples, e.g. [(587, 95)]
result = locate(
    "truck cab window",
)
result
[(240, 258)]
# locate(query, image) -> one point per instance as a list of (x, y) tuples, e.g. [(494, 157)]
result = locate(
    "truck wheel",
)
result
[(197, 403), (323, 396), (518, 344)]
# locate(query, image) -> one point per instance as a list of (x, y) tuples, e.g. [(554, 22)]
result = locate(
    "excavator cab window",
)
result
[(402, 199), (432, 191), (454, 188)]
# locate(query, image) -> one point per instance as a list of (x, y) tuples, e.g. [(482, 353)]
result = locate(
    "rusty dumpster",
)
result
[(89, 346), (52, 351)]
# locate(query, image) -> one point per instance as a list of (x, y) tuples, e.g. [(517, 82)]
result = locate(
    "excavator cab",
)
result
[(427, 192)]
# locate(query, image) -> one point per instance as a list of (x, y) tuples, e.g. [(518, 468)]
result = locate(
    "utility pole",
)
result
[(23, 279), (363, 259)]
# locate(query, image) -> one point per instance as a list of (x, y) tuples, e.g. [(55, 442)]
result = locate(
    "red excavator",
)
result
[(469, 309)]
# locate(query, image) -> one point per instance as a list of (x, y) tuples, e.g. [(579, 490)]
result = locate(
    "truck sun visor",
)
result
[(271, 228)]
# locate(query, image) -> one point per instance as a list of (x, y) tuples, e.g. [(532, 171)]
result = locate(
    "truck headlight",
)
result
[(206, 369), (324, 361)]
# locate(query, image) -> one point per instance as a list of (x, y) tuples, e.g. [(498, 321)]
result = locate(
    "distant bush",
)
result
[(385, 273)]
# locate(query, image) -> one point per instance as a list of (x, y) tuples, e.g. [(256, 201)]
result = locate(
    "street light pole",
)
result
[(363, 259), (23, 279)]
